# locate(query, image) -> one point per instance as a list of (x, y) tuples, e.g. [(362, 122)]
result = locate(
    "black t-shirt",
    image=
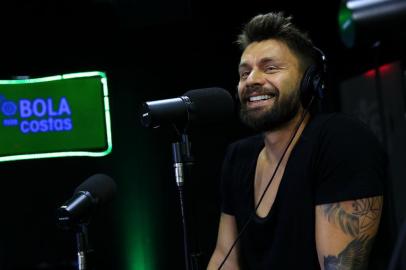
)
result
[(337, 158)]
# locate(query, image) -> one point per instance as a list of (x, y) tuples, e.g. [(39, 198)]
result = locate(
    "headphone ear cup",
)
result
[(305, 85), (318, 86), (311, 84)]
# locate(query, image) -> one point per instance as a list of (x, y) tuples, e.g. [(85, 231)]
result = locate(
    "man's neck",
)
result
[(277, 140)]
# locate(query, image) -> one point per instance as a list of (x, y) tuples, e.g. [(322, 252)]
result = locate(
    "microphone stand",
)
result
[(84, 261), (82, 244), (183, 159)]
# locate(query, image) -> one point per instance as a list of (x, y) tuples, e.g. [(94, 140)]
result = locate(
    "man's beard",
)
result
[(273, 118)]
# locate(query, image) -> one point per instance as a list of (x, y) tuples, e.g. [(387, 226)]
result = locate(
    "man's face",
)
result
[(269, 85)]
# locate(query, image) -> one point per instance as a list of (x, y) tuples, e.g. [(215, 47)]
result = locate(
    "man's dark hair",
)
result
[(277, 26)]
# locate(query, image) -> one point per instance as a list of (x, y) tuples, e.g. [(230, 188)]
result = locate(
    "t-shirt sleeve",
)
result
[(227, 185), (351, 163)]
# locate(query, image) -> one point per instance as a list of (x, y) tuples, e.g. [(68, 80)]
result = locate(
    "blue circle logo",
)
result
[(9, 108)]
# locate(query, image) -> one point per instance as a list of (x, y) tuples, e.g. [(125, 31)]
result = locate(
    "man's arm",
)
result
[(226, 236), (345, 233)]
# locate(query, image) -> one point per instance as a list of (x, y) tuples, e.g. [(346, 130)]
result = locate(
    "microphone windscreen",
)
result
[(211, 104), (100, 186)]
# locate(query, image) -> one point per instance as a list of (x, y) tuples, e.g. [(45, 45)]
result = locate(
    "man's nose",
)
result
[(256, 77)]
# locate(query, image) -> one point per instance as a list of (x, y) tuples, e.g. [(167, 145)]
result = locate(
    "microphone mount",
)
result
[(182, 163), (83, 248)]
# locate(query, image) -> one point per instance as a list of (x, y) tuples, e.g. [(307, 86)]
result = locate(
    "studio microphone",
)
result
[(207, 105), (91, 194)]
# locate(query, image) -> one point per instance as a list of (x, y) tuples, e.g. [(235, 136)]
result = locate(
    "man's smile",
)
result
[(255, 100)]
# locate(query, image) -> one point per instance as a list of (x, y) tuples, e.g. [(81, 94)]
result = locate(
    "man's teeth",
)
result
[(257, 98)]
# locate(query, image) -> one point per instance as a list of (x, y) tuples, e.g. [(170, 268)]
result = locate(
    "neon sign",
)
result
[(65, 115)]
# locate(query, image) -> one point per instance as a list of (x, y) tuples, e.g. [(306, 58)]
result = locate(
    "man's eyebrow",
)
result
[(266, 60), (243, 65), (263, 61)]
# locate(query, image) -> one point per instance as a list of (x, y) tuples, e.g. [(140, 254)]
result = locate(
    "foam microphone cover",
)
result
[(210, 105), (91, 194), (100, 186)]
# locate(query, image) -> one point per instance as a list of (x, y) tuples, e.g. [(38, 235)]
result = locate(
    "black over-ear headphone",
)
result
[(313, 81)]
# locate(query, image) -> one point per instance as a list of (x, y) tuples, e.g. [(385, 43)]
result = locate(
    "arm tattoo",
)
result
[(347, 221), (353, 257), (362, 215), (355, 220)]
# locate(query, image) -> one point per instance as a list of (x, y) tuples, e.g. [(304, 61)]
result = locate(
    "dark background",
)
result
[(149, 50)]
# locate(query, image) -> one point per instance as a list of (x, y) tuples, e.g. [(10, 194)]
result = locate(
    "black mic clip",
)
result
[(70, 217)]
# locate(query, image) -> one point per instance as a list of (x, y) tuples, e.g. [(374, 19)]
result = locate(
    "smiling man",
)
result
[(307, 191)]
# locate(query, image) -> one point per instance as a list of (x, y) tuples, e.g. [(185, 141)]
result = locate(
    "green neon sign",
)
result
[(57, 116)]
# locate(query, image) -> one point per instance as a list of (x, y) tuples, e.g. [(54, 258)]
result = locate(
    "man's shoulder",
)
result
[(341, 131), (340, 124), (338, 118)]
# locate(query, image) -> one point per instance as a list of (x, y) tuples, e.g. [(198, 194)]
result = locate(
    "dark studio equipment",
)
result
[(195, 107), (364, 22), (374, 31), (75, 214)]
